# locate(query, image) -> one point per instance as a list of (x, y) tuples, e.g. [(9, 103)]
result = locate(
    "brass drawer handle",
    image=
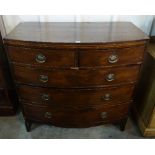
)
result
[(103, 115), (110, 77), (43, 78), (40, 58), (113, 58), (106, 97), (48, 115), (45, 97)]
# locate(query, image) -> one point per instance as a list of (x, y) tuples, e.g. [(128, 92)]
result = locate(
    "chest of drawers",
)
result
[(75, 74)]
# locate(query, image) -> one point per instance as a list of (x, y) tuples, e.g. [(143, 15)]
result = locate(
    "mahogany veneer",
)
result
[(76, 74)]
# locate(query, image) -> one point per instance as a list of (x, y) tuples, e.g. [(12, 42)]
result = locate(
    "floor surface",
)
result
[(14, 128)]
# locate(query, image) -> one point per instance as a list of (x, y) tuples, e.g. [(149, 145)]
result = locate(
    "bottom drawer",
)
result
[(76, 118)]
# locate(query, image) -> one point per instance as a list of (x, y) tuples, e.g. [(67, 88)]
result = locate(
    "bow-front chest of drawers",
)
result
[(75, 74)]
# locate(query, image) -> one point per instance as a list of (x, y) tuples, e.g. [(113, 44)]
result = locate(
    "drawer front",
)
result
[(113, 57), (76, 78), (75, 118), (76, 98), (41, 57)]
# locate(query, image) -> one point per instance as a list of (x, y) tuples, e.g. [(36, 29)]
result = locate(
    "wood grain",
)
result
[(100, 58), (53, 58), (92, 32), (76, 118), (76, 98), (76, 78), (75, 71)]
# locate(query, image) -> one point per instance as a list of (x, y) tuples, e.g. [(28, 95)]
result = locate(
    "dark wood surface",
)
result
[(145, 94), (91, 32), (132, 55), (144, 100), (81, 58), (76, 118), (75, 71), (76, 98), (8, 99), (54, 58), (76, 78)]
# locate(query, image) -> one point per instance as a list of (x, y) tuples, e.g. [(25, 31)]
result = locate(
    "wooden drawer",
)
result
[(76, 118), (76, 78), (112, 57), (41, 57), (76, 98)]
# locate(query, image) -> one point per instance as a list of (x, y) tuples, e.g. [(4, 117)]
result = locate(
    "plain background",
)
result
[(144, 22)]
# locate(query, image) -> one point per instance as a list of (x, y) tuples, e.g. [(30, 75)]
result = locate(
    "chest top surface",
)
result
[(75, 32)]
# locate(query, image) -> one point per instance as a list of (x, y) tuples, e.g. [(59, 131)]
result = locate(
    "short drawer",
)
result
[(76, 118), (41, 57), (76, 78), (111, 57), (76, 98)]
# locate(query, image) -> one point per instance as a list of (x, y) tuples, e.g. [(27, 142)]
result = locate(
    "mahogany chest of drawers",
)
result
[(75, 74)]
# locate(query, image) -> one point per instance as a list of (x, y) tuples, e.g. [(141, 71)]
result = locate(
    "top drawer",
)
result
[(111, 57), (41, 57)]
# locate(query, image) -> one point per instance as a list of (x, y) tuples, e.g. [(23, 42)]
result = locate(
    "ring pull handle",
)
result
[(110, 77), (45, 97), (43, 78), (113, 58), (48, 115), (40, 58), (103, 115), (106, 97)]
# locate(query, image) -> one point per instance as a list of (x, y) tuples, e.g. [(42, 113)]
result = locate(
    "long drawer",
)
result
[(76, 118), (42, 57), (111, 57), (75, 98), (76, 78)]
